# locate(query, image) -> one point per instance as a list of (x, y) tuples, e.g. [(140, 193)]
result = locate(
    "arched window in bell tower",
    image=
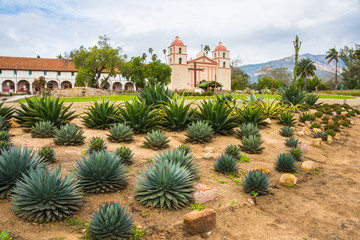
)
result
[(180, 60), (224, 64), (180, 50), (223, 55), (170, 61)]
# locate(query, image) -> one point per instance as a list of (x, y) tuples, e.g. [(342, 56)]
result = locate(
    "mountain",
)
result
[(324, 70)]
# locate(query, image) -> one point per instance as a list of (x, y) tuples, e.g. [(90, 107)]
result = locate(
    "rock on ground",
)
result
[(200, 221), (203, 193), (288, 179)]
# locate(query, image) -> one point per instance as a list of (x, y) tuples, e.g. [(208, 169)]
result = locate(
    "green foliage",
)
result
[(6, 112), (292, 95), (111, 221), (156, 140), (165, 185), (135, 71), (4, 124), (227, 99), (42, 129), (256, 182), (101, 172), (47, 155), (286, 131), (330, 132), (96, 144), (333, 127), (315, 125), (285, 163), (233, 150), (5, 235), (43, 109), (199, 132), (98, 115), (318, 114), (244, 158), (292, 142), (197, 206), (226, 164), (125, 155), (305, 69), (311, 99), (177, 114), (120, 132), (272, 108), (185, 148), (247, 129), (250, 114), (265, 82), (155, 95), (345, 123), (252, 144), (69, 135), (55, 197), (158, 72), (306, 116), (4, 146), (287, 119), (218, 115), (5, 136), (13, 164), (296, 153), (322, 135)]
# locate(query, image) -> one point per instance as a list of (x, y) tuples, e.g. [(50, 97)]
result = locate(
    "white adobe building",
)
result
[(18, 73)]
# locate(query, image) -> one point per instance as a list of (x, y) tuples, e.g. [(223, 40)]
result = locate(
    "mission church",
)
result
[(187, 74)]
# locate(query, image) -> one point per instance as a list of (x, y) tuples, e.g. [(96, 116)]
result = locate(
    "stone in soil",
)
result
[(264, 170), (209, 150), (288, 179), (330, 139), (316, 130), (316, 142), (300, 133), (303, 147), (203, 193), (308, 165), (337, 136), (306, 130), (208, 155), (200, 221)]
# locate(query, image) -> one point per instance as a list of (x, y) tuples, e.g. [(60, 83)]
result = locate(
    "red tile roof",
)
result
[(40, 64), (177, 42), (220, 47)]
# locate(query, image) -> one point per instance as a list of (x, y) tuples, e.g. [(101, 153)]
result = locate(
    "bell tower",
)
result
[(222, 56), (177, 52)]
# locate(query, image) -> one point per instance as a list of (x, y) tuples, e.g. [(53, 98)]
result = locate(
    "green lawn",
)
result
[(347, 93)]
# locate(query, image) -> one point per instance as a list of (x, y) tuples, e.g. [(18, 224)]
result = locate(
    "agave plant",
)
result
[(256, 182), (155, 95), (120, 132), (177, 114), (4, 124), (165, 185), (111, 221), (43, 109), (179, 157), (233, 150), (98, 115), (287, 119), (322, 135), (47, 155), (42, 195), (42, 129), (156, 140), (285, 163), (5, 136), (250, 114), (185, 148), (218, 115), (293, 95), (69, 135), (226, 164), (252, 144), (96, 144), (4, 146), (199, 132), (287, 131), (13, 163), (305, 116), (227, 99), (138, 116), (247, 129), (125, 155), (6, 112), (296, 153), (271, 108), (101, 172), (292, 142), (311, 99)]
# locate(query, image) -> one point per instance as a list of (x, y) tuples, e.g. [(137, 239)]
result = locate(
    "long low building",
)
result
[(17, 74)]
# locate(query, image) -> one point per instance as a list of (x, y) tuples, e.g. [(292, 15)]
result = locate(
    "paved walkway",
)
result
[(17, 97)]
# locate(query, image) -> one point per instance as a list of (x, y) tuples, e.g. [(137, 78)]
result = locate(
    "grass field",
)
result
[(347, 93)]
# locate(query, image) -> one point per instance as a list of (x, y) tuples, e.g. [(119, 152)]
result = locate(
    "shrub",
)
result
[(226, 164), (165, 185), (322, 135), (101, 172), (305, 116), (247, 129), (285, 163), (111, 221), (199, 132), (5, 136), (177, 114), (120, 132), (42, 129), (47, 155), (315, 125), (251, 144), (13, 163), (345, 123), (156, 140), (155, 95), (233, 150), (287, 119), (185, 148), (311, 99), (69, 135), (96, 144), (253, 115), (292, 95), (334, 127), (256, 182), (98, 115), (43, 196), (125, 155), (318, 114), (287, 131), (292, 142), (296, 153), (330, 132)]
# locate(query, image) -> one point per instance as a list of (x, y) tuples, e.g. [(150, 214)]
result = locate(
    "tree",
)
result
[(157, 72), (40, 84), (313, 84), (333, 55), (357, 53), (276, 73), (297, 46), (38, 56), (151, 51), (154, 57), (143, 57), (239, 79), (206, 49), (59, 56), (92, 62), (134, 71), (351, 75), (268, 82), (305, 69)]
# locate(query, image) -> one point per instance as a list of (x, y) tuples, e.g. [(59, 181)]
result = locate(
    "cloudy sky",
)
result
[(255, 31)]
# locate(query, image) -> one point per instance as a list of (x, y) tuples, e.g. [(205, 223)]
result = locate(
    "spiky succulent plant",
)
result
[(252, 114), (199, 132), (111, 221), (177, 114), (296, 153), (96, 144), (285, 163), (226, 164), (13, 163), (252, 144), (6, 114), (233, 150), (98, 115), (5, 136), (154, 95), (287, 119), (156, 140), (47, 154), (42, 129), (42, 195), (286, 131), (256, 182), (292, 142), (125, 155), (322, 135), (179, 157), (4, 124), (247, 129), (69, 135), (101, 172), (305, 116), (185, 148), (4, 146), (120, 132), (165, 185)]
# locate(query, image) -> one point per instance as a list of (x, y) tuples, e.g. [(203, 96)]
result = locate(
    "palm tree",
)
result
[(206, 49), (305, 68), (154, 57), (333, 54), (164, 51), (151, 51), (143, 57), (357, 53)]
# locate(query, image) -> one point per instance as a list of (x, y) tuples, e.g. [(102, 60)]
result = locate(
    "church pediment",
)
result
[(203, 59)]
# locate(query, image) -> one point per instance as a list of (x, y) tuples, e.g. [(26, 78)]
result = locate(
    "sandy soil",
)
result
[(321, 206)]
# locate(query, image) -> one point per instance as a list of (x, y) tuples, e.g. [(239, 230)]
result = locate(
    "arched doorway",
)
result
[(66, 85), (8, 86), (23, 86), (129, 86), (52, 84), (117, 87)]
